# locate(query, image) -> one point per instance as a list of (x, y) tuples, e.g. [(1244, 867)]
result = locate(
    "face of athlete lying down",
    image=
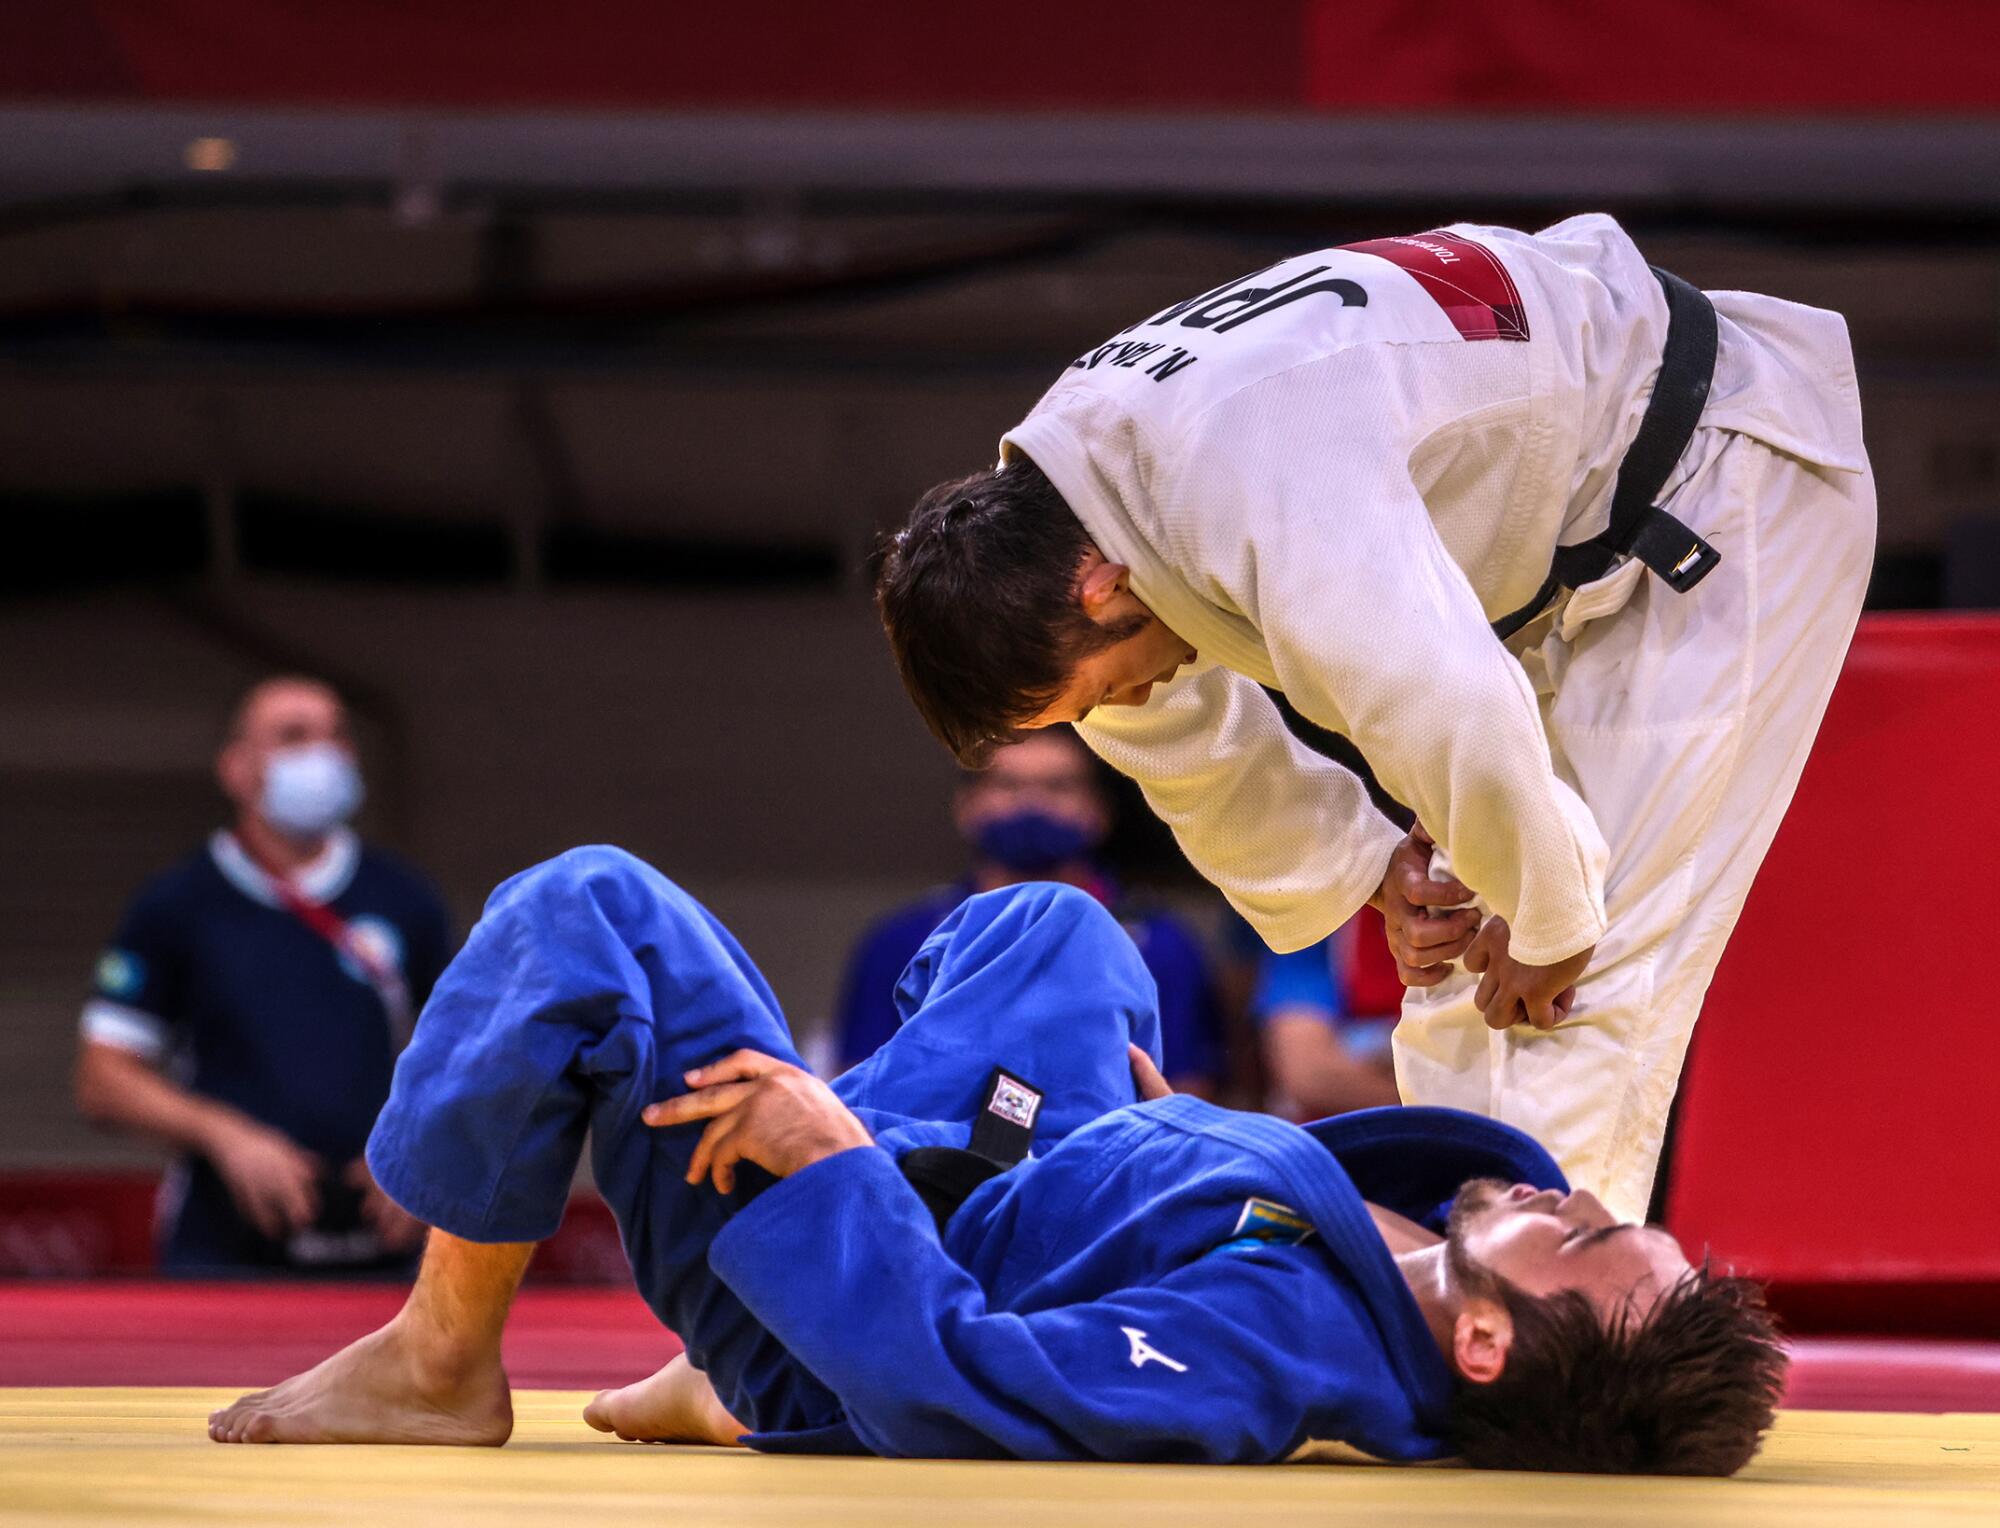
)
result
[(1542, 1241)]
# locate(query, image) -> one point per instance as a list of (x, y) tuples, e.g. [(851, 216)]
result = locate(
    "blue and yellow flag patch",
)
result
[(1266, 1223), (120, 975)]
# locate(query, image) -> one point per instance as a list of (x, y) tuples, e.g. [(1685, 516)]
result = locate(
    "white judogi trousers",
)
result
[(1684, 721)]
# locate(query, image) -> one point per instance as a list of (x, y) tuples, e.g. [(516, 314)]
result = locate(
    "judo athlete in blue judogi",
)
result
[(1157, 1280)]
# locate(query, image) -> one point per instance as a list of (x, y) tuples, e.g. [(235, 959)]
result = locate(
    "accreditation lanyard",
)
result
[(380, 971)]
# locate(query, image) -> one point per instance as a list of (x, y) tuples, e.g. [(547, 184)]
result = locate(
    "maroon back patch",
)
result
[(1465, 279)]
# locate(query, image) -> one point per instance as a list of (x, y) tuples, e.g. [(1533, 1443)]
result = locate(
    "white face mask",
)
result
[(310, 790)]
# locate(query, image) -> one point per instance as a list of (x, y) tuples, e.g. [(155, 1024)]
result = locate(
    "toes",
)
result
[(598, 1412), (239, 1424)]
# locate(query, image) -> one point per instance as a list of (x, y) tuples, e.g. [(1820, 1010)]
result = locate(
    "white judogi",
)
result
[(1331, 476)]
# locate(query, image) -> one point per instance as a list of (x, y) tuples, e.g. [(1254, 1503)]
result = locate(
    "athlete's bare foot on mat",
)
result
[(676, 1405), (380, 1389)]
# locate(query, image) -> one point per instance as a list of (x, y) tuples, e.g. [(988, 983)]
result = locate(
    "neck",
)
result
[(987, 876), (1420, 1258), (273, 852), (1428, 1274)]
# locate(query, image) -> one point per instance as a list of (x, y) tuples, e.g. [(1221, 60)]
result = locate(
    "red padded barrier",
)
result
[(133, 1332), (1708, 56), (140, 1332), (1839, 1125), (63, 1224)]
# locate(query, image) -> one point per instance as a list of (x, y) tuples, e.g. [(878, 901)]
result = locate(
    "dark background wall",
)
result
[(552, 410)]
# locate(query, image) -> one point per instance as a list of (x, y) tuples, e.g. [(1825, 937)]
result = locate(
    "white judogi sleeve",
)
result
[(1315, 535), (1290, 837)]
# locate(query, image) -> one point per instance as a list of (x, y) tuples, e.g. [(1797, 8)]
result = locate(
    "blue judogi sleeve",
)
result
[(1222, 1361)]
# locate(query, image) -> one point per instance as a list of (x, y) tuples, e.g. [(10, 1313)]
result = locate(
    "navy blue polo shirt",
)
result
[(211, 976)]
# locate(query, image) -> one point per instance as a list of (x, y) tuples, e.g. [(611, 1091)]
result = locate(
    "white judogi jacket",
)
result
[(1329, 477)]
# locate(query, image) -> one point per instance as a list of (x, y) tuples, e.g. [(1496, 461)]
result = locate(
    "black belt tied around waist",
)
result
[(1002, 1132), (1639, 527)]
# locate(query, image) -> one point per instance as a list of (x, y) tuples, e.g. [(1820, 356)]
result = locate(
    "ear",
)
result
[(961, 803), (1481, 1337), (1100, 584), (235, 772)]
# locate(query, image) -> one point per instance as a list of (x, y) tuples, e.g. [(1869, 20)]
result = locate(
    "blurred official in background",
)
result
[(250, 1008), (1038, 812)]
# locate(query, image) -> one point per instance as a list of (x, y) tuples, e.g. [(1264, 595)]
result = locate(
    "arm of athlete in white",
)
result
[(1288, 836), (1373, 632)]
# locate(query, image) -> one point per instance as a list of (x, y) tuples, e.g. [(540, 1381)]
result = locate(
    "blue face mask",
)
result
[(310, 790), (1031, 842)]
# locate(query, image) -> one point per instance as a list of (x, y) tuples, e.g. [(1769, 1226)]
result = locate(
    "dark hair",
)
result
[(1687, 1388), (978, 594)]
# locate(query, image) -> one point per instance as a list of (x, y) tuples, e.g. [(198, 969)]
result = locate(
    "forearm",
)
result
[(1289, 837), (1315, 1073), (1464, 746), (121, 1091)]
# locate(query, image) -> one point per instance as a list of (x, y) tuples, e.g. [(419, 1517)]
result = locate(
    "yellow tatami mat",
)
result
[(137, 1458)]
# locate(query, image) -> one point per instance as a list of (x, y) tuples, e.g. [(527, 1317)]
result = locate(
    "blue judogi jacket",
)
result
[(1104, 1301)]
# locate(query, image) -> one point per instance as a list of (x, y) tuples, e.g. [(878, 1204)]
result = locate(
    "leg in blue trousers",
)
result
[(589, 986), (1036, 978), (592, 983)]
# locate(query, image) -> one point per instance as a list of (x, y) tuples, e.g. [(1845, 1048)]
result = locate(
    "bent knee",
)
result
[(588, 862), (1051, 900), (599, 873), (1073, 919)]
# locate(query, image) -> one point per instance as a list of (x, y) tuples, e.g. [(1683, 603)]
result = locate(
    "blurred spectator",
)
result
[(1324, 1014), (249, 1010), (1038, 813)]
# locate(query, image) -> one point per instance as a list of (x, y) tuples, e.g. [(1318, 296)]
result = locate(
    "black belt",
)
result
[(1002, 1132), (1639, 527)]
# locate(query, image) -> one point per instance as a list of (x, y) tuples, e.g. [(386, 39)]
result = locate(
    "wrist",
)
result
[(217, 1128), (830, 1143)]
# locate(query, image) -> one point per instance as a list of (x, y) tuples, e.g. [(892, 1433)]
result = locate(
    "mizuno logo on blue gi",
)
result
[(1143, 1352)]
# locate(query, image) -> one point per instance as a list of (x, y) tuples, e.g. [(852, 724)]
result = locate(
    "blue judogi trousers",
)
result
[(592, 983)]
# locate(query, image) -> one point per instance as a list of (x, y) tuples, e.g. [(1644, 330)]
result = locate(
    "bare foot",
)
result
[(676, 1405), (380, 1389)]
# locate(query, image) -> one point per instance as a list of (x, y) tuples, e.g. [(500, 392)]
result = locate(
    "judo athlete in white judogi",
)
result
[(1380, 480)]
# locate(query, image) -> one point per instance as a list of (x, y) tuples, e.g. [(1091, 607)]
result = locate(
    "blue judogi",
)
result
[(1145, 1289)]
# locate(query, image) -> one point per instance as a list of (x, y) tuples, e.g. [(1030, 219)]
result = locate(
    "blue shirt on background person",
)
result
[(1037, 812), (1324, 1016), (251, 1005)]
